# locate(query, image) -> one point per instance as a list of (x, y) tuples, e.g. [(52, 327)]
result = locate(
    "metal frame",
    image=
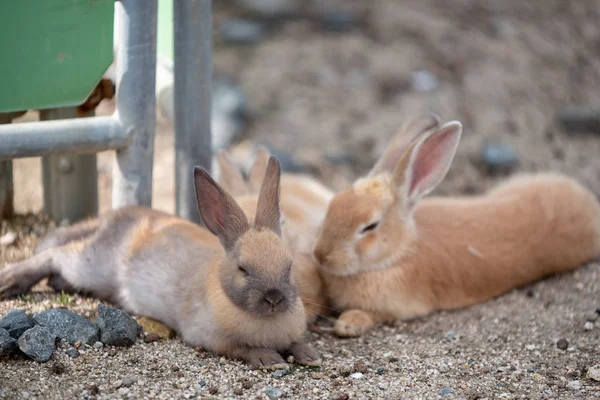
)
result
[(130, 130)]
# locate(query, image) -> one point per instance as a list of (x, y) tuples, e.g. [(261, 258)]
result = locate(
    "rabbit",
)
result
[(226, 288), (303, 205), (386, 254)]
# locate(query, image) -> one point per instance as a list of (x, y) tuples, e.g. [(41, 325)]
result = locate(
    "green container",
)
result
[(54, 52)]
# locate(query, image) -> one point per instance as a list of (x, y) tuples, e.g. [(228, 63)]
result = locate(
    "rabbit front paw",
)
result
[(305, 354), (353, 323), (265, 358)]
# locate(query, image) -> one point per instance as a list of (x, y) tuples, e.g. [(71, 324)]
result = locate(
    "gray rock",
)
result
[(116, 327), (445, 391), (16, 322), (273, 393), (562, 344), (498, 157), (588, 326), (38, 343), (272, 8), (72, 352), (242, 31), (68, 325), (574, 385), (424, 81), (7, 343), (593, 372), (280, 372)]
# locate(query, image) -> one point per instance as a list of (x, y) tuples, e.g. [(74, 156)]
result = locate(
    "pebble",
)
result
[(424, 81), (151, 337), (72, 352), (499, 157), (588, 326), (356, 375), (67, 325), (78, 344), (127, 382), (361, 367), (98, 345), (380, 370), (16, 322), (242, 31), (247, 385), (273, 393), (445, 391), (598, 311), (451, 336), (38, 343), (58, 368), (7, 343), (213, 390), (592, 317), (574, 385), (340, 396), (116, 327), (150, 326), (593, 372), (93, 390), (8, 238), (562, 344), (280, 372), (238, 391)]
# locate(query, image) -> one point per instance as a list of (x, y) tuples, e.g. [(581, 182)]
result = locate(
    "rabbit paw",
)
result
[(265, 358), (305, 354), (353, 323), (10, 286)]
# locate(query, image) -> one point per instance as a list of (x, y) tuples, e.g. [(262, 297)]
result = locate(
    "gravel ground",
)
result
[(503, 68)]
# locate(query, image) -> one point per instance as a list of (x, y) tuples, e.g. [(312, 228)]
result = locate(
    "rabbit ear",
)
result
[(426, 161), (257, 171), (267, 210), (401, 140), (230, 176), (220, 213)]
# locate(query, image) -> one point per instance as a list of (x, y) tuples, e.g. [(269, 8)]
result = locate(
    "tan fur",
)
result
[(447, 253), (176, 272)]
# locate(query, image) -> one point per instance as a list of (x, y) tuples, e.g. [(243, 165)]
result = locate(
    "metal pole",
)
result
[(136, 101), (6, 179), (192, 97), (70, 180)]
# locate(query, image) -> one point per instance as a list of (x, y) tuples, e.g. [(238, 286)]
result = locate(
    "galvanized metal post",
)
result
[(6, 179), (192, 97), (136, 101), (70, 180)]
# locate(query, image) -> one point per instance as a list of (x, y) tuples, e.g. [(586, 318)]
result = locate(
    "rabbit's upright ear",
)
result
[(230, 176), (257, 170), (219, 211), (268, 214), (426, 162), (399, 143)]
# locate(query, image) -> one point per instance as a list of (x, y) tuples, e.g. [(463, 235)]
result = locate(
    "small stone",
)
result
[(598, 311), (112, 352), (151, 337), (280, 372), (72, 352), (127, 382), (591, 317), (98, 345), (213, 390), (38, 343), (116, 327), (424, 81), (380, 370), (118, 384), (451, 336), (202, 383), (393, 359), (247, 385), (93, 390), (499, 157), (77, 344), (593, 372), (360, 367), (67, 325), (58, 368), (445, 391), (356, 375), (530, 347), (16, 322), (588, 326), (242, 31), (174, 368), (340, 396), (238, 391), (273, 393), (574, 385), (8, 238), (7, 343), (562, 344)]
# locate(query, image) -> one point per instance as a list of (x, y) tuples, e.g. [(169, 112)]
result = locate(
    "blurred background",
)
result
[(325, 83)]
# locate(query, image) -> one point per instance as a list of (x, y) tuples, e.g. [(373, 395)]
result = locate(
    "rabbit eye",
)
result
[(369, 227), (243, 270)]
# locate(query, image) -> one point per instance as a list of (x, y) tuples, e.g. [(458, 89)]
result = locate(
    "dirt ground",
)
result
[(504, 69)]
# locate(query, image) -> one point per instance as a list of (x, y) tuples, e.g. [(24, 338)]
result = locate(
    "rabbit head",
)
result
[(256, 271), (370, 226)]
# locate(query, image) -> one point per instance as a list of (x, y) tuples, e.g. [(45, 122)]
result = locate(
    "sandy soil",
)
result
[(504, 69)]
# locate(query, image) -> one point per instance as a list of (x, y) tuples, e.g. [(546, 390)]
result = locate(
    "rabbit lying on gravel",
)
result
[(387, 255), (231, 293)]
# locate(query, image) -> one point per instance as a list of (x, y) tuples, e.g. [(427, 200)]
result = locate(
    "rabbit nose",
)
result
[(273, 297)]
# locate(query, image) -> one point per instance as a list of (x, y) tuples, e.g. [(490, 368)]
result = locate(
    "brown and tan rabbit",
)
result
[(229, 291), (388, 255), (303, 206)]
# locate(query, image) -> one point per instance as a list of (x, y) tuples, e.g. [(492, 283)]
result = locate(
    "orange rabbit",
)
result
[(386, 254)]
